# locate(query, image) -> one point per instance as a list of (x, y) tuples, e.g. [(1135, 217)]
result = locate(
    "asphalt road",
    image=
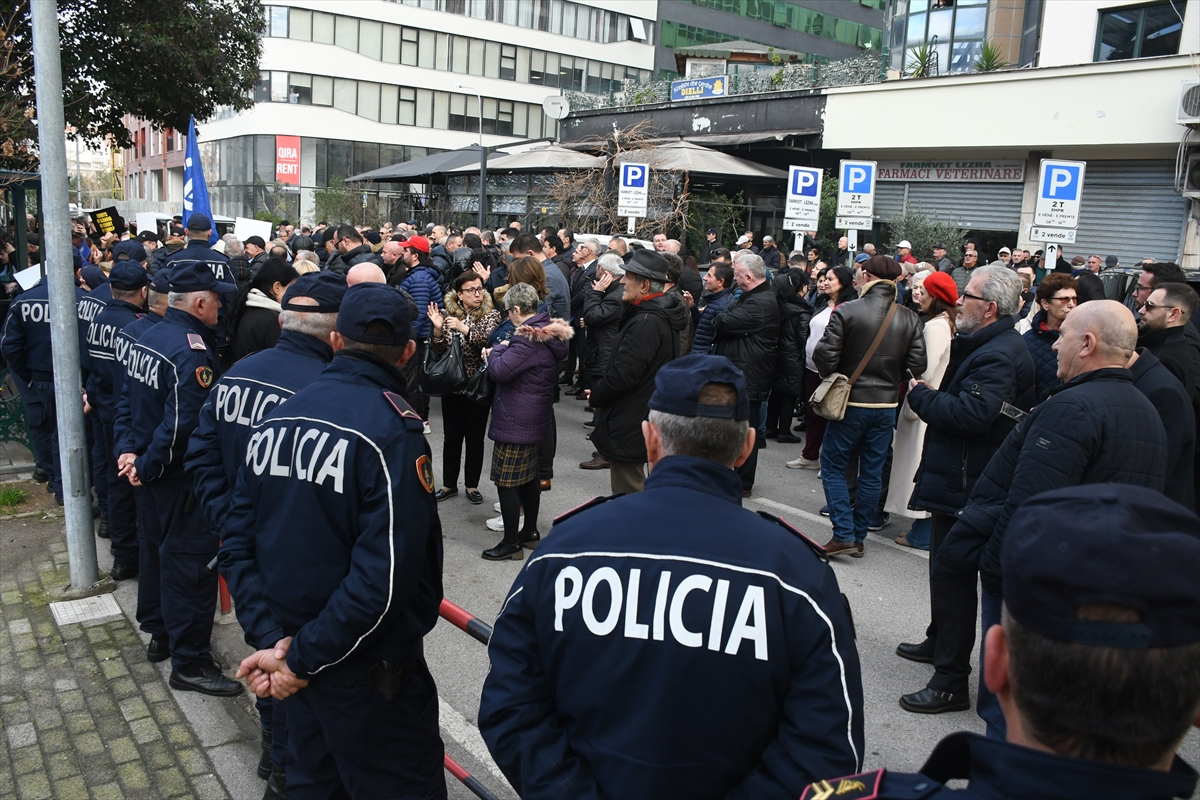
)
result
[(888, 591)]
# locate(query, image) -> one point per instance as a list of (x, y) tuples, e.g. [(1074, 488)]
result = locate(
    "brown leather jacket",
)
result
[(849, 334)]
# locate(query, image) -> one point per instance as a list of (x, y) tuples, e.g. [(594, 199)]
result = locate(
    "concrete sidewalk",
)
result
[(83, 713)]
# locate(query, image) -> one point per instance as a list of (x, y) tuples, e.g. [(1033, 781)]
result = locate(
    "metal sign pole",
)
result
[(64, 325)]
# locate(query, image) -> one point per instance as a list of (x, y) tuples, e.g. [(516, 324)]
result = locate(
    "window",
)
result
[(300, 89), (1140, 31), (370, 34), (408, 106), (322, 90), (300, 26), (345, 32), (279, 21), (322, 28), (391, 44), (345, 95), (508, 62), (262, 88), (368, 100), (279, 87), (408, 47)]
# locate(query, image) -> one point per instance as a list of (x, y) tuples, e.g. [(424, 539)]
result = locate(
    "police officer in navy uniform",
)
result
[(170, 372), (197, 251), (25, 342), (255, 386), (333, 552), (671, 644), (1096, 662), (127, 281)]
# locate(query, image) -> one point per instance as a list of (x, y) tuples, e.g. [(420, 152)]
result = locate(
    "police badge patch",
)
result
[(425, 473), (204, 376)]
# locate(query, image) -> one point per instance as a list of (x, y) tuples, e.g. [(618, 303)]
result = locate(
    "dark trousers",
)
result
[(38, 435), (418, 399), (122, 508), (272, 715), (188, 589), (463, 420), (955, 607), (988, 705), (781, 410), (748, 470), (814, 428), (47, 430), (547, 449), (939, 526), (96, 453), (345, 739), (149, 606)]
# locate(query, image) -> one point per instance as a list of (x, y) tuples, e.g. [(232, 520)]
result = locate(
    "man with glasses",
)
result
[(1056, 297)]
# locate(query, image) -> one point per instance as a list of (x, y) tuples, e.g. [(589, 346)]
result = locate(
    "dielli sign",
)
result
[(953, 171)]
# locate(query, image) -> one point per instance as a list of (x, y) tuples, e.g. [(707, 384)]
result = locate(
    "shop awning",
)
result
[(429, 165), (700, 160), (547, 158)]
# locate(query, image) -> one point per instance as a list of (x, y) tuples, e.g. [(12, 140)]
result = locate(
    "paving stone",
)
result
[(34, 786), (123, 749), (179, 735), (134, 708), (21, 735), (134, 777), (123, 687), (192, 761), (26, 760), (167, 713), (145, 730), (89, 744), (55, 740), (17, 626), (80, 721), (71, 701), (65, 685), (207, 787), (113, 669), (47, 718), (109, 791), (62, 765), (71, 789), (155, 692), (171, 782), (157, 755)]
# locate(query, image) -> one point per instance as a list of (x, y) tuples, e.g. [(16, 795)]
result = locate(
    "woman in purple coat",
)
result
[(524, 370)]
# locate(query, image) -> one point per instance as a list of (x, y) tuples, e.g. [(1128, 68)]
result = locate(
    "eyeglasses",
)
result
[(473, 290), (969, 296), (1151, 306), (1070, 298), (1140, 288)]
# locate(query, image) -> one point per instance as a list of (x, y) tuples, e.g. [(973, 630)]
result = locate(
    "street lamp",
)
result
[(482, 153)]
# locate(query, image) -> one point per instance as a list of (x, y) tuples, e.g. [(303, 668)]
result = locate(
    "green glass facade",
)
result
[(958, 25), (785, 15)]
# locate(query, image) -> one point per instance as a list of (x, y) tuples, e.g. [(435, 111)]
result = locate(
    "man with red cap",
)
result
[(987, 387), (423, 285)]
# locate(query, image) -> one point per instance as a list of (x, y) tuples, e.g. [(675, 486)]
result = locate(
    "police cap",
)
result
[(678, 384), (199, 223), (131, 249), (128, 275), (327, 288), (195, 276), (648, 264), (147, 236), (93, 276), (1104, 543), (365, 303)]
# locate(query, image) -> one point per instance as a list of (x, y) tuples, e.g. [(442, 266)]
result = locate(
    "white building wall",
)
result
[(1069, 29)]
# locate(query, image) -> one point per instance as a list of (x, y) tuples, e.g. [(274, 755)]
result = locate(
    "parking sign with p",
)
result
[(633, 193), (856, 189), (1060, 188), (633, 176), (803, 199)]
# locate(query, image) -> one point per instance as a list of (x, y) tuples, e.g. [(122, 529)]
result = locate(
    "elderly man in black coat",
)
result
[(1094, 428), (747, 333)]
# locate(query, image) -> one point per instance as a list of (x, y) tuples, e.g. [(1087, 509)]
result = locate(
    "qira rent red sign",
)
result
[(287, 160)]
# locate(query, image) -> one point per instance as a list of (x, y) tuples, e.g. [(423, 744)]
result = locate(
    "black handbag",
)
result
[(479, 387), (444, 374)]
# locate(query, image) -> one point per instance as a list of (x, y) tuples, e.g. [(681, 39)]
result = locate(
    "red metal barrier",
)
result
[(479, 630), (477, 788), (223, 593)]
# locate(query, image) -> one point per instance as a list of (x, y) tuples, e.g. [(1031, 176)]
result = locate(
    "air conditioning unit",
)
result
[(1191, 177), (1188, 112)]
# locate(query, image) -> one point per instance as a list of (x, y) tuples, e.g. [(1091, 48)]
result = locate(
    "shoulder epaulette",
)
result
[(864, 786), (804, 537), (402, 407), (595, 501)]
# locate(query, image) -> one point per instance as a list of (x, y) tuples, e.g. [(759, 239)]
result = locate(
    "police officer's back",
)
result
[(333, 540), (168, 376), (1096, 663), (671, 643), (197, 251)]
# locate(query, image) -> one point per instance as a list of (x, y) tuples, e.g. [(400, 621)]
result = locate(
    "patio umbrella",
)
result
[(546, 158), (684, 156), (435, 164)]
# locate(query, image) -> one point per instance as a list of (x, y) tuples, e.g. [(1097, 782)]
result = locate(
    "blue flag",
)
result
[(195, 190)]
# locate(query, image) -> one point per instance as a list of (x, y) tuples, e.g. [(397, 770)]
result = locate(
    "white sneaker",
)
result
[(497, 524), (804, 463), (427, 430), (497, 507)]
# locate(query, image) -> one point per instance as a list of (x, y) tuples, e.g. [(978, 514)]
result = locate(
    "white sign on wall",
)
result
[(981, 171)]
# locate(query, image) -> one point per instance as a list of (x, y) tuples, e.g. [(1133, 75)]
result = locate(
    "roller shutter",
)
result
[(975, 206), (1130, 209)]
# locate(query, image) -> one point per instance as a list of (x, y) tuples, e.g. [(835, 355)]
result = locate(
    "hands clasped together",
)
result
[(267, 673)]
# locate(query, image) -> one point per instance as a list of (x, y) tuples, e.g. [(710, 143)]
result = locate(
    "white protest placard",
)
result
[(244, 228)]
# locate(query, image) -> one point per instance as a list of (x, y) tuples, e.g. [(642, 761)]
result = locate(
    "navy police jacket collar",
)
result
[(1106, 374), (1003, 770), (691, 472), (360, 363), (305, 345), (181, 317)]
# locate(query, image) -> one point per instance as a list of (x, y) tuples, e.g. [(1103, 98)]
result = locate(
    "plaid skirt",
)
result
[(514, 464)]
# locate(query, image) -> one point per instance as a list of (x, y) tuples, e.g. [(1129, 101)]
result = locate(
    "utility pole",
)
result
[(78, 175), (64, 326)]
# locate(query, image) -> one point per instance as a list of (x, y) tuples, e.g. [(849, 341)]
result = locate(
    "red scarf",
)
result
[(647, 297)]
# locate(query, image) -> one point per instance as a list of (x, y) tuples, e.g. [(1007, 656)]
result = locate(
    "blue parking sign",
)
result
[(856, 191), (633, 176), (1060, 190)]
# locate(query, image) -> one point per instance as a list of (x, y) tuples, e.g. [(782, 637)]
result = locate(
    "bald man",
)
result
[(365, 273), (1094, 428)]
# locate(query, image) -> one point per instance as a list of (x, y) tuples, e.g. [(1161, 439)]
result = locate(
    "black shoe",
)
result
[(504, 552), (787, 438), (770, 434), (800, 427), (40, 475), (931, 701), (58, 500), (102, 528), (264, 756), (49, 487), (123, 572), (530, 542), (445, 494), (590, 424), (276, 786), (158, 649), (206, 679), (96, 513), (921, 653), (474, 497)]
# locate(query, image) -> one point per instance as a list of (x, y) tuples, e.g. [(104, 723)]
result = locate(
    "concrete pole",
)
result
[(64, 330)]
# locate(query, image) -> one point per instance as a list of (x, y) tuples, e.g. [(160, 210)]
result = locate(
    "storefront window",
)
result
[(957, 25), (1140, 31)]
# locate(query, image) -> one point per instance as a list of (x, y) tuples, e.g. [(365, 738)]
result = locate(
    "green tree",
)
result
[(337, 203), (158, 60), (923, 231)]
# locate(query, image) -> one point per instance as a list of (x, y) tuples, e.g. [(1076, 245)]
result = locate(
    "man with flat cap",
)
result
[(647, 339), (1095, 661), (333, 552), (245, 394), (106, 351), (168, 376), (670, 643)]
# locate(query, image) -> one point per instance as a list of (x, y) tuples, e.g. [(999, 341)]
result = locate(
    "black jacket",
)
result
[(1040, 341), (770, 257), (1095, 428), (342, 262), (1179, 352), (647, 339), (987, 369), (849, 334), (258, 329), (747, 334), (1169, 398), (602, 315), (794, 316), (580, 281)]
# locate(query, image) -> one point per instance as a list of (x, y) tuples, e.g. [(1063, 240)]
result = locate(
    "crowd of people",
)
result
[(264, 406)]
